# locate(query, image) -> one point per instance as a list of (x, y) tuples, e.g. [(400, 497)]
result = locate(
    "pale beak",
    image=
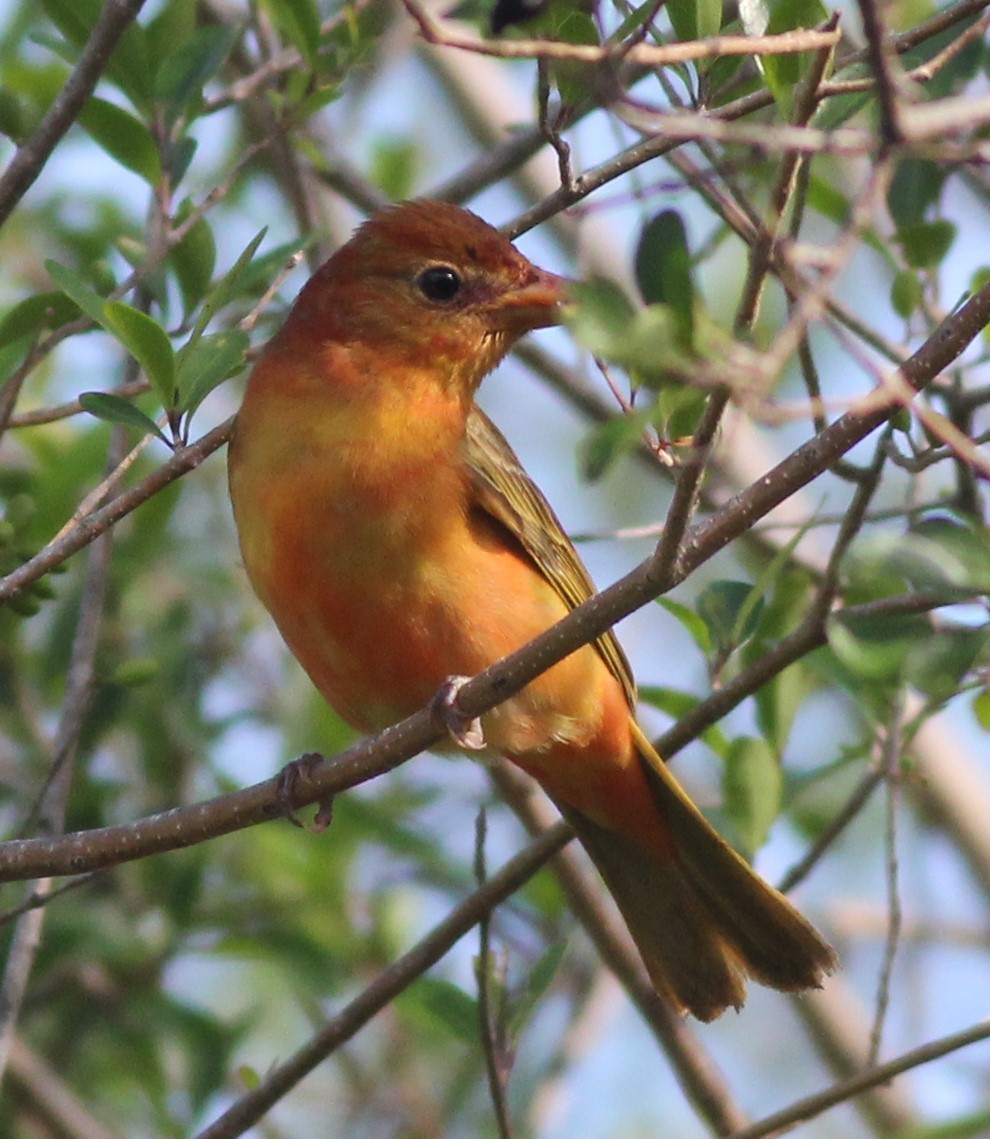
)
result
[(537, 302)]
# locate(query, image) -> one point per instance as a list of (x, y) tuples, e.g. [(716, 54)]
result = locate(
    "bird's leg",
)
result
[(464, 731)]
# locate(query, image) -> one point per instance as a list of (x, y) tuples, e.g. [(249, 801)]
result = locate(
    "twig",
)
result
[(494, 1045), (383, 990), (93, 525), (808, 1108), (30, 158), (890, 761), (646, 55)]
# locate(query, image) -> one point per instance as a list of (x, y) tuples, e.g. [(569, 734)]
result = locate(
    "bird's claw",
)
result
[(464, 731), (289, 780)]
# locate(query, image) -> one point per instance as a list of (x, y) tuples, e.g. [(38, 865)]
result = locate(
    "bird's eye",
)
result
[(439, 283)]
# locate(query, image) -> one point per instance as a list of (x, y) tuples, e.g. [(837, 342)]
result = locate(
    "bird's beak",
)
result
[(536, 302)]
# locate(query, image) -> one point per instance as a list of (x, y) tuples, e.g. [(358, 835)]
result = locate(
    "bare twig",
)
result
[(808, 1108)]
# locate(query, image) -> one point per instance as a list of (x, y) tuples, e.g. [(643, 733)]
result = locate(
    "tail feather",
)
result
[(703, 920)]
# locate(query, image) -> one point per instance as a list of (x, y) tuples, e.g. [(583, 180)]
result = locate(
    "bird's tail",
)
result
[(702, 919)]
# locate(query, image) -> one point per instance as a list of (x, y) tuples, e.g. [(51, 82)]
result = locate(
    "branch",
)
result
[(382, 991), (93, 525), (806, 1109), (644, 55), (29, 160), (183, 826)]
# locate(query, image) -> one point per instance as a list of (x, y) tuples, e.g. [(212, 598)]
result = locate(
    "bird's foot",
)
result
[(464, 731), (291, 778)]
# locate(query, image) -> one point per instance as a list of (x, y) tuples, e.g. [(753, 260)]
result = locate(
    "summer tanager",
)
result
[(394, 537)]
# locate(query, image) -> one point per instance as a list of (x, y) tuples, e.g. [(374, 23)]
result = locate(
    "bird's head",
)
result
[(428, 283)]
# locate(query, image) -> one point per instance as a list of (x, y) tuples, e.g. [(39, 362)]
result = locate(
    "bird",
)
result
[(393, 535)]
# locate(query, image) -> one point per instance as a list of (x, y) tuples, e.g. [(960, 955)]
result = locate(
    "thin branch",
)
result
[(30, 158), (645, 55), (90, 527), (384, 989), (806, 1109)]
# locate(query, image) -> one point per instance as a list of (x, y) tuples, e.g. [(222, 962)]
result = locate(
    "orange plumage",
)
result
[(394, 537)]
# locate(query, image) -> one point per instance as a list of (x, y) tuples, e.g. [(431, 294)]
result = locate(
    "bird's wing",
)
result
[(504, 490)]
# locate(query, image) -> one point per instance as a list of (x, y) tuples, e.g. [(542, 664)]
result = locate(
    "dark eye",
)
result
[(439, 283)]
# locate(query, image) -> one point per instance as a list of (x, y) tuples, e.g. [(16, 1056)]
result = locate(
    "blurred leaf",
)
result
[(194, 259), (609, 441), (538, 980), (226, 288), (695, 19), (190, 65), (78, 290), (147, 342), (753, 785), (692, 622), (914, 189), (394, 165), (906, 293), (877, 648), (299, 22), (123, 137), (938, 666), (115, 409), (446, 1004), (37, 314), (678, 704), (15, 118), (981, 709), (925, 243), (731, 610), (785, 72), (663, 271), (129, 66)]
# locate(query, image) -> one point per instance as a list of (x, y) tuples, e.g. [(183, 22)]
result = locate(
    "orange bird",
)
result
[(397, 541)]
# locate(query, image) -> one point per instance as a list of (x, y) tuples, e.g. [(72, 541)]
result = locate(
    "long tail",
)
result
[(703, 920)]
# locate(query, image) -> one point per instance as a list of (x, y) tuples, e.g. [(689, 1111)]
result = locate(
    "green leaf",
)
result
[(299, 22), (753, 785), (190, 66), (877, 648), (446, 1004), (677, 704), (731, 610), (124, 137), (206, 363), (114, 409), (78, 290), (609, 441), (695, 19), (914, 189), (147, 342), (35, 315), (129, 66), (601, 316), (938, 666), (663, 271), (906, 293), (227, 286), (537, 982), (194, 259), (925, 243), (697, 628), (394, 165), (785, 72), (981, 709)]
